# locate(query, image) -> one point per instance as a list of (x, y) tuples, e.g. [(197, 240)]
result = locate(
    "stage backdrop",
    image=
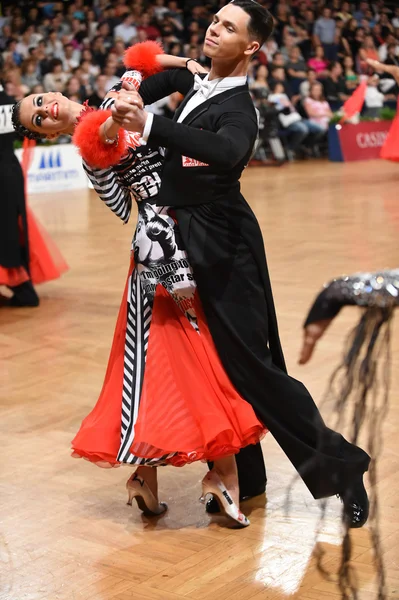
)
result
[(55, 168)]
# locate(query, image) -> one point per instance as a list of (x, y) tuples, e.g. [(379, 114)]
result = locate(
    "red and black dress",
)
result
[(166, 398)]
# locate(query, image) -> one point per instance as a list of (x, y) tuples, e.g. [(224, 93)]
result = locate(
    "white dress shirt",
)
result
[(205, 89)]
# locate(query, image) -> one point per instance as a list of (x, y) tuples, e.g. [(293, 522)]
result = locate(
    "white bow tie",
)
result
[(203, 85)]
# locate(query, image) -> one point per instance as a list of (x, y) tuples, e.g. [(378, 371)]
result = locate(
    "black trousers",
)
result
[(225, 248)]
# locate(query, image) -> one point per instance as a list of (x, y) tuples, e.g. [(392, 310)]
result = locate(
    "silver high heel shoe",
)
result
[(212, 484), (146, 501)]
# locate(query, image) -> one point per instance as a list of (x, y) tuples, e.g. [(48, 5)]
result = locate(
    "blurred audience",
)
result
[(310, 66)]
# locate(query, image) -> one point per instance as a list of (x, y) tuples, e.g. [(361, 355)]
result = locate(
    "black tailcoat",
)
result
[(225, 248)]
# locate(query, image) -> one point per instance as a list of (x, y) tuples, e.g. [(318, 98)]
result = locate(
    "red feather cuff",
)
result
[(91, 147), (143, 57)]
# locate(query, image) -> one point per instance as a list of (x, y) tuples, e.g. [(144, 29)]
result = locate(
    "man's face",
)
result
[(278, 60), (326, 13), (337, 71), (227, 37)]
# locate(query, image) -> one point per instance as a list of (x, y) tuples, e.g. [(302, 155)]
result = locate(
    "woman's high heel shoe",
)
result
[(146, 501), (212, 484)]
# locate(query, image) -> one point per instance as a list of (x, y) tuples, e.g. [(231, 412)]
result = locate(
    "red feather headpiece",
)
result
[(143, 57)]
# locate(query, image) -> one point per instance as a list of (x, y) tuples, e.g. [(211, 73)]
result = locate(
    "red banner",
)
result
[(363, 141)]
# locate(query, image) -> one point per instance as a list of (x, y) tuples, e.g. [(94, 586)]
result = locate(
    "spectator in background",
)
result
[(104, 31), (351, 77), (75, 90), (304, 43), (11, 51), (318, 62), (127, 30), (390, 40), (281, 21), (392, 55), (110, 73), (289, 44), (100, 91), (324, 33), (309, 21), (360, 13), (160, 10), (349, 32), (152, 32), (296, 66), (260, 81), (278, 60), (56, 79), (374, 98), (269, 49), (278, 76), (71, 58), (395, 20), (54, 48), (357, 42), (29, 74), (304, 88), (99, 51), (26, 41), (91, 24), (344, 12), (334, 86), (317, 108), (78, 34), (386, 26), (367, 50), (5, 36), (299, 131)]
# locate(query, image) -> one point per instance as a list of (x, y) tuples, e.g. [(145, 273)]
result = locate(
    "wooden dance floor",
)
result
[(66, 531)]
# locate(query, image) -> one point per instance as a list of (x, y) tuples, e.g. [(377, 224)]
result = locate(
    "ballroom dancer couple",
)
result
[(196, 370)]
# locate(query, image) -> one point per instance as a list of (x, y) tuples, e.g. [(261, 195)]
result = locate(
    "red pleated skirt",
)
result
[(188, 406)]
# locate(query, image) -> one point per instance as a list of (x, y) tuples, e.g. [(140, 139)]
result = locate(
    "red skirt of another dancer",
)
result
[(390, 149), (188, 408), (45, 260)]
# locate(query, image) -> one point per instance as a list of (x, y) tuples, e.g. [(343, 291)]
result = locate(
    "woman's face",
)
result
[(316, 91), (262, 72), (320, 52), (48, 113)]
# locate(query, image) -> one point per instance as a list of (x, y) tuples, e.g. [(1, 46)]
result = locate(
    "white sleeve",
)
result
[(111, 190), (147, 128)]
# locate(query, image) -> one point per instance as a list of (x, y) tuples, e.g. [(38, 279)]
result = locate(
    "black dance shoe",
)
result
[(356, 505), (212, 506)]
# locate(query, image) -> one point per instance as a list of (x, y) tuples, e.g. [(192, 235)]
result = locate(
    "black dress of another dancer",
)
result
[(225, 248), (13, 253)]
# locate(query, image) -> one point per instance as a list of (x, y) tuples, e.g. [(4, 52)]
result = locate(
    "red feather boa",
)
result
[(91, 147), (143, 57)]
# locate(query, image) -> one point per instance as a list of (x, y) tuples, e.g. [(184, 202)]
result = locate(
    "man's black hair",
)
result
[(260, 25)]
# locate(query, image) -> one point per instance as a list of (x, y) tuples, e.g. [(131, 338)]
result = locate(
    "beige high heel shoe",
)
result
[(212, 484), (139, 490)]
